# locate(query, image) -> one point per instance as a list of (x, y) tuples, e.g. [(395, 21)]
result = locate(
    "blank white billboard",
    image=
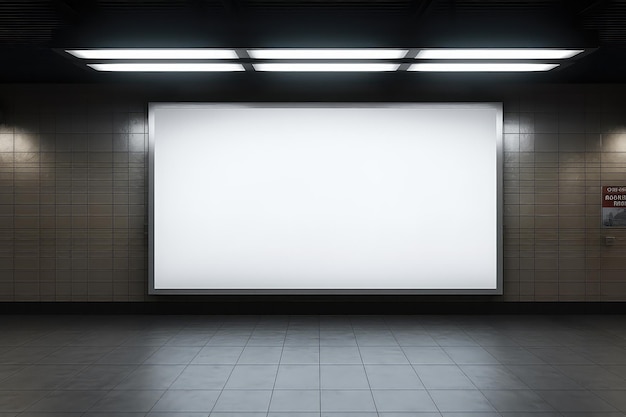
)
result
[(333, 198)]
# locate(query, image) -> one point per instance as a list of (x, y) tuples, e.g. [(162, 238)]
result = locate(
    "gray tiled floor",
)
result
[(313, 366)]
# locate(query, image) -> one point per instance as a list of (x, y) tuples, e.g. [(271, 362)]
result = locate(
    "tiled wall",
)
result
[(73, 191)]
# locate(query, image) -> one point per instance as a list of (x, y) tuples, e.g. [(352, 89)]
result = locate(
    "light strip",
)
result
[(173, 67), (478, 67), (497, 53), (327, 53), (153, 53), (326, 67)]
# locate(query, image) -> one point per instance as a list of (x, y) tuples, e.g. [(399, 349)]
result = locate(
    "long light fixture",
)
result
[(168, 67), (326, 67), (495, 53), (153, 53), (327, 53), (481, 67), (325, 59)]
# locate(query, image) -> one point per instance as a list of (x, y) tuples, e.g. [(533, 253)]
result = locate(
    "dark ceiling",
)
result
[(33, 31)]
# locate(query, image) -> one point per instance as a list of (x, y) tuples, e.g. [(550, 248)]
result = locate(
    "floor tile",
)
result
[(540, 377), (173, 355), (203, 377), (393, 377), (617, 398), (243, 400), (427, 355), (67, 401), (347, 401), (260, 355), (331, 339), (513, 355), (190, 339), (460, 401), (98, 377), (76, 355), (147, 340), (226, 339), (414, 339), (186, 401), (127, 355), (252, 377), (492, 377), (559, 355), (295, 401), (347, 377), (151, 377), (588, 414), (343, 355), (403, 401), (8, 370), (292, 414), (578, 401), (298, 377), (16, 401), (218, 355), (593, 376), (383, 355), (129, 400), (517, 401), (603, 355), (415, 414), (378, 338), (300, 355), (26, 355), (302, 340), (443, 377), (40, 377), (453, 339), (470, 355)]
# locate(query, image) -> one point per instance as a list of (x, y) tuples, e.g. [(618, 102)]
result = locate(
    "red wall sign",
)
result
[(614, 206)]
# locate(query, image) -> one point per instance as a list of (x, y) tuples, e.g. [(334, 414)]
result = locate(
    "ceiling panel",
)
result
[(30, 28)]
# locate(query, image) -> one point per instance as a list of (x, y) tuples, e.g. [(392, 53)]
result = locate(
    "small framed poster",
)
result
[(614, 206)]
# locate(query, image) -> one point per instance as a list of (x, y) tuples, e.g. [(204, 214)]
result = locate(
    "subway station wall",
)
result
[(73, 188)]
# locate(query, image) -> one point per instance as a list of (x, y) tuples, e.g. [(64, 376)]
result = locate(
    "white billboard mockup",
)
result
[(325, 198)]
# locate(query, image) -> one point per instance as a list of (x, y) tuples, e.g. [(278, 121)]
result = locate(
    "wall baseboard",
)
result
[(315, 308)]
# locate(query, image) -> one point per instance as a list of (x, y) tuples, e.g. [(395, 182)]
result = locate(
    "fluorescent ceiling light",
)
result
[(326, 67), (327, 53), (486, 67), (173, 67), (497, 53), (154, 53)]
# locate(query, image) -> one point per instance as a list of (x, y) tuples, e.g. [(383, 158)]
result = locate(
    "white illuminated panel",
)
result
[(330, 198), (327, 53), (326, 67), (495, 53)]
